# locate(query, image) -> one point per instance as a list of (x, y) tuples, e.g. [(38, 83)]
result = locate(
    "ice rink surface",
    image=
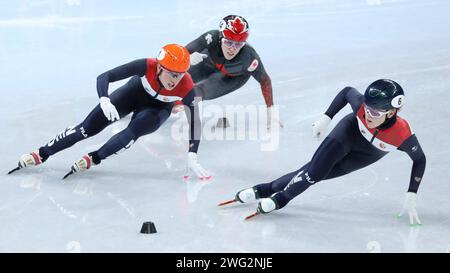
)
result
[(52, 51)]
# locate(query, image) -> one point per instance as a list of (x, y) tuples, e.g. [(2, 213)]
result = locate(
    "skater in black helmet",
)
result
[(358, 140), (222, 61)]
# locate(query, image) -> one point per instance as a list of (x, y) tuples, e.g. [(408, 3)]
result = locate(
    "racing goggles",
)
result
[(374, 112), (230, 43)]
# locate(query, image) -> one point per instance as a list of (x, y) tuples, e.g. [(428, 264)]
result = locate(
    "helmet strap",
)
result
[(158, 74), (389, 122)]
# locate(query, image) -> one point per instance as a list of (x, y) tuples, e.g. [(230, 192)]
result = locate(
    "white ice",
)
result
[(52, 51)]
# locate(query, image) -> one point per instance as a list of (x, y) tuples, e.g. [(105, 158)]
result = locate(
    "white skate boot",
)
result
[(243, 196), (246, 195), (81, 165), (265, 205), (26, 160), (31, 159)]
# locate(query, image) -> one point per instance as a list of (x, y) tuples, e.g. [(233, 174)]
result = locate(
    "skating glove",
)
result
[(319, 128), (109, 110), (178, 107), (194, 165), (197, 58), (409, 206), (273, 117)]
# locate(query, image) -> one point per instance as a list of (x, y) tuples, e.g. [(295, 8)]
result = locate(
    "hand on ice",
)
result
[(319, 128), (194, 165), (409, 205), (273, 118), (197, 58), (178, 107), (109, 110)]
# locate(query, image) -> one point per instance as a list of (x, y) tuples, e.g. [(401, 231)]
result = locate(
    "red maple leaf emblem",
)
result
[(237, 25)]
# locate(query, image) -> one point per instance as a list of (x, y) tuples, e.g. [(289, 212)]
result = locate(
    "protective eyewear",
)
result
[(230, 43), (374, 112)]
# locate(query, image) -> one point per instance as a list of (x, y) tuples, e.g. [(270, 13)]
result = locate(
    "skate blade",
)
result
[(16, 169), (252, 215), (227, 202), (68, 174)]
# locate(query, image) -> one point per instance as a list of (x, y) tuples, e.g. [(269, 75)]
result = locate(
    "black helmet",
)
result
[(384, 95)]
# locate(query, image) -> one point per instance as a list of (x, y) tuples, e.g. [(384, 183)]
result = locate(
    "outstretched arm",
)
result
[(193, 116), (260, 74), (266, 89), (347, 95), (203, 41), (195, 125), (412, 147), (137, 67)]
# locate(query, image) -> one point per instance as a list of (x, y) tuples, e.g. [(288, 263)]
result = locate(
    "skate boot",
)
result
[(26, 160), (265, 205), (243, 196), (82, 165), (246, 195)]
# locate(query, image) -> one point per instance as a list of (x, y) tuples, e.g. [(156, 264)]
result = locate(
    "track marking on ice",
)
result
[(29, 202), (122, 203), (290, 80), (64, 211)]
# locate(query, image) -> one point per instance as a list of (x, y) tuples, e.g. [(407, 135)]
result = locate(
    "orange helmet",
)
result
[(175, 58)]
